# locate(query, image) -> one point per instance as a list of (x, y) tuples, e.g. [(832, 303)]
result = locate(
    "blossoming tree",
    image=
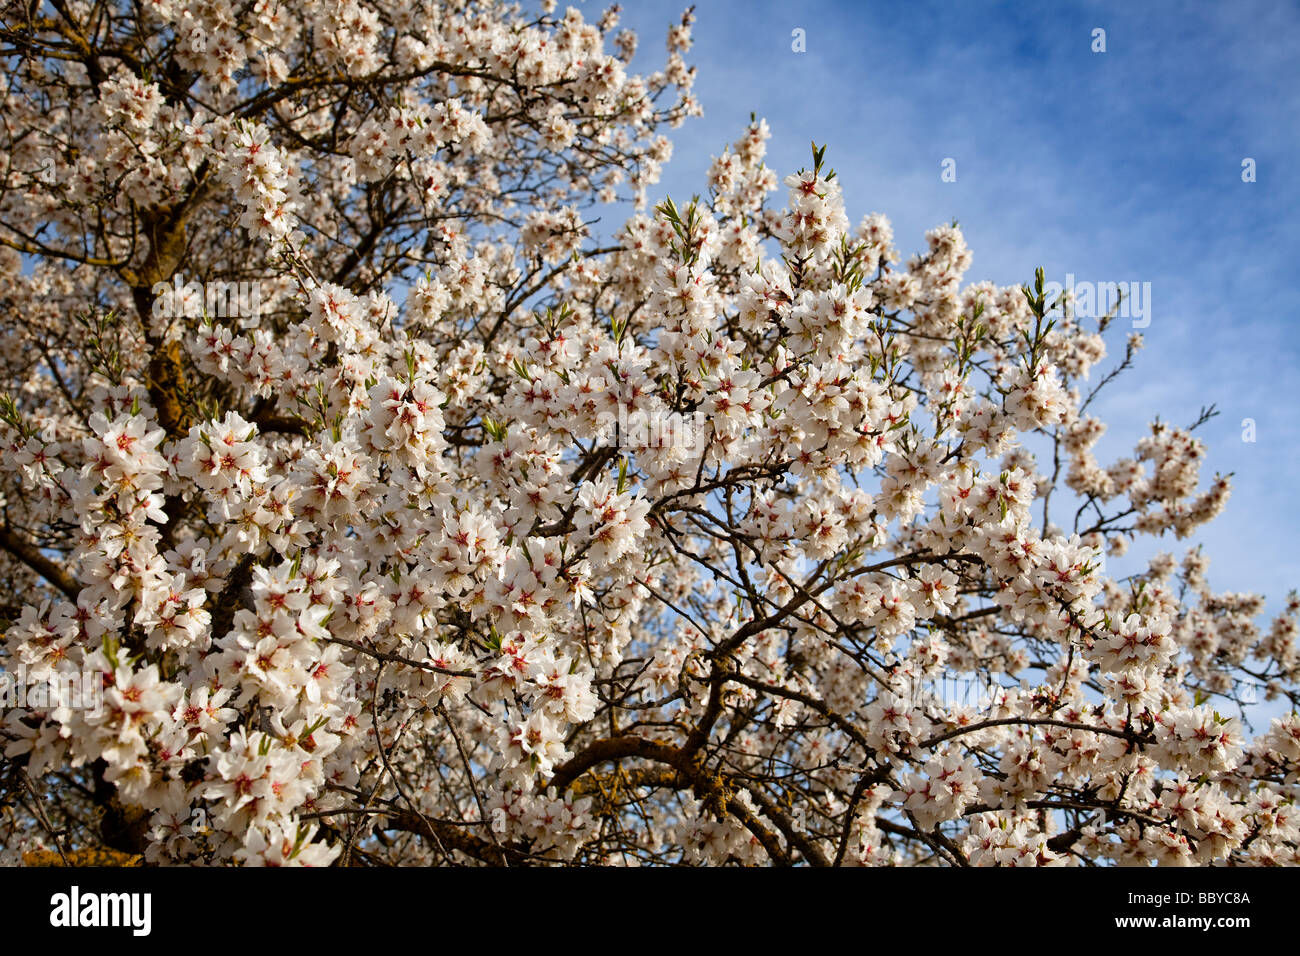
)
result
[(456, 535)]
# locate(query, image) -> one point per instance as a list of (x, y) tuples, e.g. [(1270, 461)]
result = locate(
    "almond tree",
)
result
[(362, 507)]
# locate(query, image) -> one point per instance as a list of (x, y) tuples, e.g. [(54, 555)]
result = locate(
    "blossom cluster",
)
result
[(388, 576)]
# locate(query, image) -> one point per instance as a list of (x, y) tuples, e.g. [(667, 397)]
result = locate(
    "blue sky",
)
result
[(1120, 166)]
